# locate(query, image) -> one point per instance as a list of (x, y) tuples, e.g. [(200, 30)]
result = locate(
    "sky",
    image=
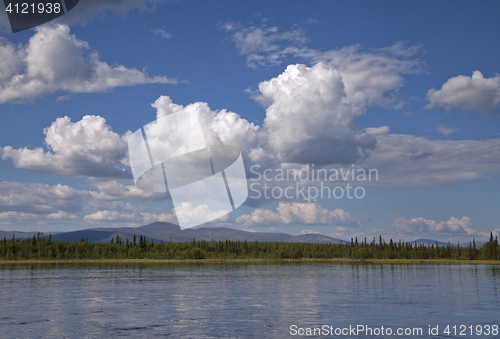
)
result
[(408, 90)]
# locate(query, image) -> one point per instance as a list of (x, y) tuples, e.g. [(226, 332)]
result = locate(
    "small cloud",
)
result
[(162, 33), (470, 93), (250, 230), (443, 130), (308, 232), (63, 97)]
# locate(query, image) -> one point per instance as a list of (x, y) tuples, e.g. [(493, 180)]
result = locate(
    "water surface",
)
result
[(240, 300)]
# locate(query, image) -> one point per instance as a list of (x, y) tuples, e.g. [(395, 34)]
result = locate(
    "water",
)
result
[(241, 300)]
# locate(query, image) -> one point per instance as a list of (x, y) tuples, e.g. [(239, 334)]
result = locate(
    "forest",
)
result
[(44, 248)]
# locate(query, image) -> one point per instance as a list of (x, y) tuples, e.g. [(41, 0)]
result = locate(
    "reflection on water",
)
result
[(239, 300)]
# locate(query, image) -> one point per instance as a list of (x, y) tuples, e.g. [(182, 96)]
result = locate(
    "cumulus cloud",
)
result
[(55, 60), (298, 213), (220, 127), (87, 148), (311, 111), (471, 93), (310, 117), (196, 215), (446, 131)]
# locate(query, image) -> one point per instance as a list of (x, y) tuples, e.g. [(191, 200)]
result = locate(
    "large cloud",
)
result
[(298, 213), (311, 111), (55, 60), (87, 148), (310, 118), (470, 93)]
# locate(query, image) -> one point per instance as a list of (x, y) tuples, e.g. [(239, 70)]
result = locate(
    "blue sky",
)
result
[(390, 84)]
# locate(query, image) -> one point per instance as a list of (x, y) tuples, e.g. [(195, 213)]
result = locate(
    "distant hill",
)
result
[(18, 235), (429, 242), (166, 232)]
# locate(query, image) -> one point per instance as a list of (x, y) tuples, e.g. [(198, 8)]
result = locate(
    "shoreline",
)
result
[(249, 261)]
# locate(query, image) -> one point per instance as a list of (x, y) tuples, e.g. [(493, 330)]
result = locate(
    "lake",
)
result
[(247, 300)]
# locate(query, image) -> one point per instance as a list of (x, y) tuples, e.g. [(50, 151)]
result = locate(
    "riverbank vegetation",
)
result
[(40, 248)]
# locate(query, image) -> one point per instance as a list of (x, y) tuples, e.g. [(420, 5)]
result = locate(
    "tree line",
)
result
[(45, 248)]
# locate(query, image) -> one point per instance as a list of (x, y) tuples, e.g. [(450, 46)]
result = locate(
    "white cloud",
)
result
[(189, 215), (40, 199), (298, 213), (220, 127), (446, 131), (421, 225), (55, 60), (115, 190), (373, 77), (60, 215), (10, 60), (453, 230), (311, 111), (86, 148), (110, 216), (162, 33), (13, 218), (309, 232), (470, 93), (163, 217), (407, 160), (264, 46), (310, 117)]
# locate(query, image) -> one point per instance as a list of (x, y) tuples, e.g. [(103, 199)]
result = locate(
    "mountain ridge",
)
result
[(167, 232)]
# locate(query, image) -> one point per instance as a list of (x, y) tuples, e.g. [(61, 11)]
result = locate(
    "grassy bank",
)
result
[(251, 261)]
